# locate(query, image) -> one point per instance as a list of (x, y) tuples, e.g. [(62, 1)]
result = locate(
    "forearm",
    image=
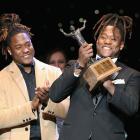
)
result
[(126, 96), (14, 116), (63, 86), (57, 109)]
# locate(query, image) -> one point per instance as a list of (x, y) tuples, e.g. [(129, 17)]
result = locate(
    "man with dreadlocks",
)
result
[(26, 113), (101, 114)]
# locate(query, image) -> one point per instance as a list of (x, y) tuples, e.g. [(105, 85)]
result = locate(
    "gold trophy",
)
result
[(96, 71)]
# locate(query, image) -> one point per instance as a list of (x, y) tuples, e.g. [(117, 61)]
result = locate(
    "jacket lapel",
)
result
[(121, 74), (17, 77), (115, 75), (40, 74)]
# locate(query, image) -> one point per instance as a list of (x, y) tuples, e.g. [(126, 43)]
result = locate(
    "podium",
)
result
[(98, 71)]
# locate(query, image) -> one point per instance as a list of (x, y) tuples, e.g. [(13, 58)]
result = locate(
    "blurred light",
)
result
[(72, 48), (137, 15), (81, 19), (71, 22), (60, 24), (121, 11), (96, 11)]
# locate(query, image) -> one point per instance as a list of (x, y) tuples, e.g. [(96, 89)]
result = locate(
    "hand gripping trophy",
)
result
[(76, 34), (95, 71)]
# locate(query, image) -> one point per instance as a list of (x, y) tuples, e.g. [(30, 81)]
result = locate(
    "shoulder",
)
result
[(5, 75), (127, 69), (71, 63), (5, 70), (48, 68)]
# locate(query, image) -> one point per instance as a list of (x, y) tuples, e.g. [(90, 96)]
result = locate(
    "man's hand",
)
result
[(35, 102), (109, 86), (42, 93), (85, 53)]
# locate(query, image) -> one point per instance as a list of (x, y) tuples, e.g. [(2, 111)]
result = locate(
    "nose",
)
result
[(107, 40), (25, 50), (57, 64)]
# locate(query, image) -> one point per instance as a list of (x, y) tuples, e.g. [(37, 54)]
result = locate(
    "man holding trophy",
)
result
[(99, 112)]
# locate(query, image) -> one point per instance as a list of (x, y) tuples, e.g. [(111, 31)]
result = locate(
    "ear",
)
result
[(9, 50), (97, 42), (121, 46)]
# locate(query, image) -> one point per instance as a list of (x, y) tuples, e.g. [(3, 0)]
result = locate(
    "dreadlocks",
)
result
[(9, 26), (123, 23)]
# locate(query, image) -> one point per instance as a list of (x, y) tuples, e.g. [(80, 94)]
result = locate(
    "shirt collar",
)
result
[(22, 65), (99, 57)]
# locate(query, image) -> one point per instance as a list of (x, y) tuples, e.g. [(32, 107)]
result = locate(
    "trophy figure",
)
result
[(96, 71), (76, 33)]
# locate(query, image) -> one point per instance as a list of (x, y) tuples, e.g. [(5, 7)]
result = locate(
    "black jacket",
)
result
[(105, 121)]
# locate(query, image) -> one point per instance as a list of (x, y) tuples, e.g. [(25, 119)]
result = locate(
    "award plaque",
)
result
[(96, 71), (99, 71)]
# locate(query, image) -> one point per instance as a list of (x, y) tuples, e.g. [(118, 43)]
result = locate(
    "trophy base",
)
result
[(99, 71)]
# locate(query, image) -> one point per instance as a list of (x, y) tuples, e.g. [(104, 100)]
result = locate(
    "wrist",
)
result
[(79, 65), (35, 103), (77, 69), (33, 106)]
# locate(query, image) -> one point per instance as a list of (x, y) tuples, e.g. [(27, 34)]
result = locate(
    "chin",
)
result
[(106, 55), (27, 63)]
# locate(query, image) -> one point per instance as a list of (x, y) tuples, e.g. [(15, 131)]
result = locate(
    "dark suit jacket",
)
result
[(105, 121)]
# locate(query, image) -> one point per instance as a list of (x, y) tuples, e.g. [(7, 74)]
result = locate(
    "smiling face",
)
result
[(109, 42), (21, 49)]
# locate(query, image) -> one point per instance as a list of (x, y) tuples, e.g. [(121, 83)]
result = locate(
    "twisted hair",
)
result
[(123, 23), (9, 26)]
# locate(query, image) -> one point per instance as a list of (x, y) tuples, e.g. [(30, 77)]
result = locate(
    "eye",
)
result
[(103, 37), (61, 61), (28, 44), (52, 62), (57, 62), (113, 39), (18, 47)]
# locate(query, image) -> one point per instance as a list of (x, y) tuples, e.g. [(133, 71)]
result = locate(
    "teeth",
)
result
[(106, 47), (26, 56)]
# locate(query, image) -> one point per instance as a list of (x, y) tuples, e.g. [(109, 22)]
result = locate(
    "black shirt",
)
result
[(31, 84)]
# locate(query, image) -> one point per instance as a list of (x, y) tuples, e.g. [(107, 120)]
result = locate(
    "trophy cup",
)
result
[(96, 71)]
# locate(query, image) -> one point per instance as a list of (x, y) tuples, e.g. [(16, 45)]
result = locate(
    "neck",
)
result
[(27, 69)]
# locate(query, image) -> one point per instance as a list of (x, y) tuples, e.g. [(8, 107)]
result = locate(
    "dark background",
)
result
[(44, 17)]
